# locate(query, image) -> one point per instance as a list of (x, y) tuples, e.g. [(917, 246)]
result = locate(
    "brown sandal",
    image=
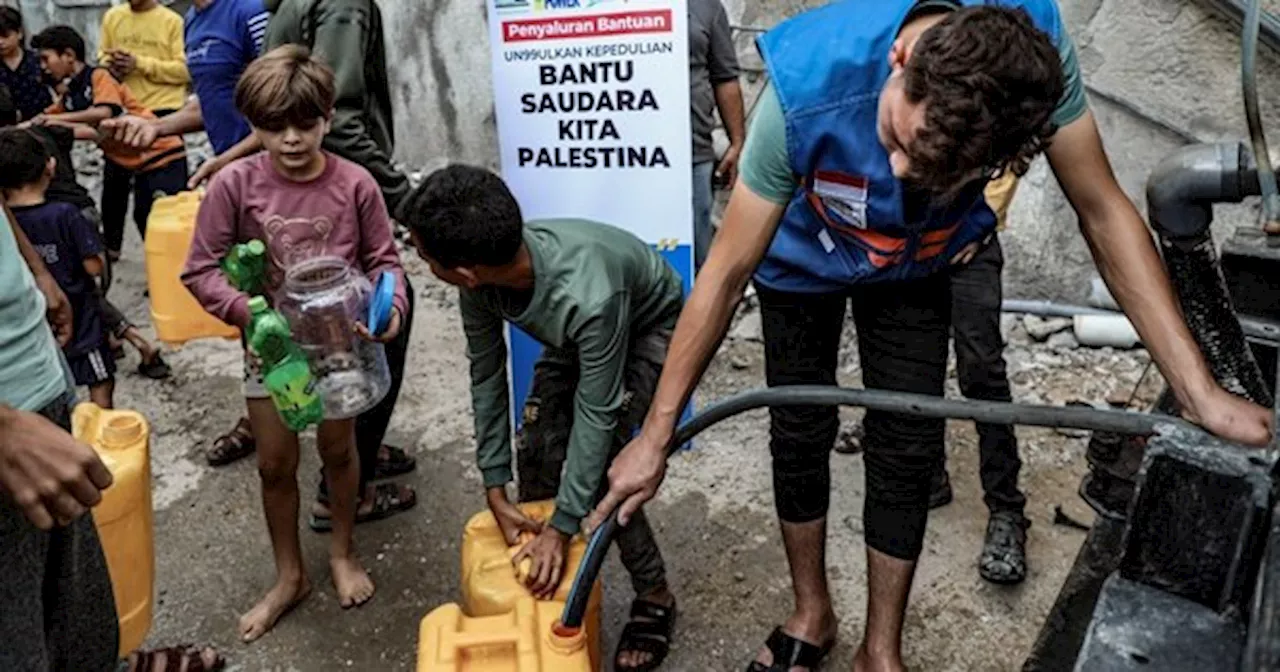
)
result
[(234, 445), (182, 658)]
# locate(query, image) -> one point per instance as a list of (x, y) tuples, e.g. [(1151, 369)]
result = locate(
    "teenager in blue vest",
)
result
[(861, 184)]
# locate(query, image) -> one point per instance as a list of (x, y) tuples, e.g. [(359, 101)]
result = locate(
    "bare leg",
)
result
[(278, 468), (888, 585), (144, 347), (336, 440), (813, 620), (103, 394)]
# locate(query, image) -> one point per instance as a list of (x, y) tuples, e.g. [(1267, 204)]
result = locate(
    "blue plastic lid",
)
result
[(380, 303)]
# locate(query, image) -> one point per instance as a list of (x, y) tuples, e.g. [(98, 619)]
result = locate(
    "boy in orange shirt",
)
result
[(92, 95)]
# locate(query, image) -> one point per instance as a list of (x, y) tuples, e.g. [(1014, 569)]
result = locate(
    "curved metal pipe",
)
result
[(1180, 197), (999, 413), (1184, 186), (1257, 135)]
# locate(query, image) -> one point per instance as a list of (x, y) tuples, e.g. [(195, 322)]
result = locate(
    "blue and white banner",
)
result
[(592, 101)]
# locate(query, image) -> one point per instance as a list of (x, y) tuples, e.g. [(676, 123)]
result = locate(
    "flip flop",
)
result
[(386, 503), (789, 652)]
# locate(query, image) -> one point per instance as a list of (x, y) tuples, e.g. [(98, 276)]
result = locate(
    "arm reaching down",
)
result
[(52, 477), (1130, 264)]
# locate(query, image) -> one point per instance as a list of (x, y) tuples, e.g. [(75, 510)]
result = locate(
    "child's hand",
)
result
[(130, 131), (393, 329), (206, 171), (511, 520), (547, 551), (122, 63)]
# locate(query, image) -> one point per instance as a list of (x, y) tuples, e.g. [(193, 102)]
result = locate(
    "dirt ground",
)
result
[(714, 516)]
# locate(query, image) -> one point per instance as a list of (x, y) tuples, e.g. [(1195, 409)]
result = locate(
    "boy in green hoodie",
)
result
[(602, 302)]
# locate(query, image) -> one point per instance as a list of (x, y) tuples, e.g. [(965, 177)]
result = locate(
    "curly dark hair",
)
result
[(990, 81), (464, 216)]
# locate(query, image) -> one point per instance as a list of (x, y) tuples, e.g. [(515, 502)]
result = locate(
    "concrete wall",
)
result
[(1170, 63)]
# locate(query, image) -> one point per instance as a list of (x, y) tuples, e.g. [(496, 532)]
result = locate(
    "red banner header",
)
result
[(599, 25)]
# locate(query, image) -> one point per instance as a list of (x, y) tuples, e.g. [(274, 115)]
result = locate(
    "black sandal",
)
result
[(234, 445), (397, 463), (651, 635), (789, 652), (386, 503), (182, 658), (155, 368)]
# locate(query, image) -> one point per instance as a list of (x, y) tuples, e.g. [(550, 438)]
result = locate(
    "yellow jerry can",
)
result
[(524, 639), (492, 586), (124, 517), (176, 314)]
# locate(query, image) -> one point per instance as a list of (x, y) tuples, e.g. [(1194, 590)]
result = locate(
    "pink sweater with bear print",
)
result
[(340, 213)]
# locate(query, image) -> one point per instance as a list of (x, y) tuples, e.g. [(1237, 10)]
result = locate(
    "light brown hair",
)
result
[(285, 87)]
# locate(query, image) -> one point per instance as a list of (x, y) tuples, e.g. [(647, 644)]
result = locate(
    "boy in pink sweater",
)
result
[(302, 202)]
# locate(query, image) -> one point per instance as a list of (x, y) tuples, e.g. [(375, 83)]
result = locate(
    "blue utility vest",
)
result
[(846, 225)]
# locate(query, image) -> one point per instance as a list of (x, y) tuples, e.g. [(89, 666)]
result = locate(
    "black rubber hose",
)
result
[(991, 412), (1206, 301)]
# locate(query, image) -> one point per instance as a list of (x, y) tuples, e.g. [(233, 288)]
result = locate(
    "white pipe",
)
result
[(1099, 331)]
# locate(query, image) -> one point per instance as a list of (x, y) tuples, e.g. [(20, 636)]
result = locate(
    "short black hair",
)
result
[(465, 216), (23, 158), (8, 111), (60, 39), (10, 20)]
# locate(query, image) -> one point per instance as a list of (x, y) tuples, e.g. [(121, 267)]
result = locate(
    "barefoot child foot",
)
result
[(351, 581), (282, 597)]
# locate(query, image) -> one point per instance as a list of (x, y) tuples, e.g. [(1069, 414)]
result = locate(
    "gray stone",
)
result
[(748, 328), (1063, 340), (1040, 328)]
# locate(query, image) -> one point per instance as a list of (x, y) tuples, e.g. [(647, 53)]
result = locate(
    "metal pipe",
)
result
[(1257, 135), (991, 412), (1180, 197), (1257, 329)]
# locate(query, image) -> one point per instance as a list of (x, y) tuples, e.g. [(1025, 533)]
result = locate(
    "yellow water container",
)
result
[(176, 314), (524, 639), (492, 586), (124, 517)]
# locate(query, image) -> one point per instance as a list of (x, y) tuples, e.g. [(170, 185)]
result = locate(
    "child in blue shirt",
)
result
[(68, 243)]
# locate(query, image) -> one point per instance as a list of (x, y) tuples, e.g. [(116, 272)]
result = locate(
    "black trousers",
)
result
[(58, 612), (903, 329), (119, 182), (371, 426), (975, 310)]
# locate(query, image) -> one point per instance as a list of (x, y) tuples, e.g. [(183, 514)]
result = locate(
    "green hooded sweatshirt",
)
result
[(347, 34)]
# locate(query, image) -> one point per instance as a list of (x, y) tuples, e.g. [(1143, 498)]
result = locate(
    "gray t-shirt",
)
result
[(712, 61)]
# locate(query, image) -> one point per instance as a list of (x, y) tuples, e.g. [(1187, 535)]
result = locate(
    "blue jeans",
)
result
[(702, 198)]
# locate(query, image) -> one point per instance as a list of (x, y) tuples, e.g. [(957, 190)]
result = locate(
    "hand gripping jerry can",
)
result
[(176, 314), (491, 586), (524, 639), (123, 517)]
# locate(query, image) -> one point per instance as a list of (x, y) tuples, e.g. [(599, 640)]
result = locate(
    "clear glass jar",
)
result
[(323, 298)]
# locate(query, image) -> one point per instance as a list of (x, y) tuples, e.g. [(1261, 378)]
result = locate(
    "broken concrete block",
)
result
[(1137, 627), (1063, 340), (1198, 520), (1040, 328)]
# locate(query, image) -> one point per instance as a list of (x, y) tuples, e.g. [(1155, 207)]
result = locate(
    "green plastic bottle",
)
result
[(246, 266), (285, 371)]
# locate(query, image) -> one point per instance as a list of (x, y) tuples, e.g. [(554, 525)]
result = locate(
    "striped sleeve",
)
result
[(256, 28)]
